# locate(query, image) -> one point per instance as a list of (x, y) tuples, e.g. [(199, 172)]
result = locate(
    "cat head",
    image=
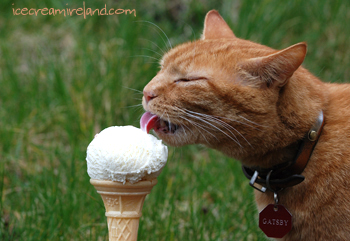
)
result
[(220, 91)]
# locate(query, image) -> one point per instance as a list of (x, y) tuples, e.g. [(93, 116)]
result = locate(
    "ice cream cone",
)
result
[(123, 203)]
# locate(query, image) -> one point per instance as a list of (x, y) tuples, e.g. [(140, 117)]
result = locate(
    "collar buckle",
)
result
[(253, 182)]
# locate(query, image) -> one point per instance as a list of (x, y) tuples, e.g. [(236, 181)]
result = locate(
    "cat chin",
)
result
[(176, 139), (170, 139)]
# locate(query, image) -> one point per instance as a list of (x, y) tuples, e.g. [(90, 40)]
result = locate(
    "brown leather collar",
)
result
[(286, 174)]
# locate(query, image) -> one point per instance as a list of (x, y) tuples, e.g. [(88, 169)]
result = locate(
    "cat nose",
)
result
[(149, 95)]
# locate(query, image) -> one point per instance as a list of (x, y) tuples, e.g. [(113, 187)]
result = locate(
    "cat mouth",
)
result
[(151, 121)]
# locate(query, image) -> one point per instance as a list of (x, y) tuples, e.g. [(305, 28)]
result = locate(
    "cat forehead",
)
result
[(211, 50)]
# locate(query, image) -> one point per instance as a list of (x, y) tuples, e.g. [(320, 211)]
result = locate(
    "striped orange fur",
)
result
[(254, 103)]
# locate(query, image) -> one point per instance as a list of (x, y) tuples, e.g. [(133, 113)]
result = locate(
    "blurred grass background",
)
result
[(63, 79)]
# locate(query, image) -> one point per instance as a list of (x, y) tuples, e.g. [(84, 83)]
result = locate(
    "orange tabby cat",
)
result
[(256, 104)]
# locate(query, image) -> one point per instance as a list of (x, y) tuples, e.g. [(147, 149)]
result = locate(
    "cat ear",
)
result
[(215, 27), (274, 69)]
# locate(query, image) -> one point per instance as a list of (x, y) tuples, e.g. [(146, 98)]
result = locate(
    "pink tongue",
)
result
[(148, 121)]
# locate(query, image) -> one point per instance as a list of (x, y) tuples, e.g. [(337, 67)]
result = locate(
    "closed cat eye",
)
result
[(182, 80), (190, 79)]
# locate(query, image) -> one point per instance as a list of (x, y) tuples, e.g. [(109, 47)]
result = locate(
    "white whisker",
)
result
[(168, 121), (155, 45), (251, 122), (144, 56), (153, 51), (234, 138), (215, 119), (196, 125), (159, 34), (228, 127), (139, 91), (132, 106)]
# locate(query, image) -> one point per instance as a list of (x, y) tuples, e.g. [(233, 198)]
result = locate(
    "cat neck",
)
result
[(288, 173), (299, 104)]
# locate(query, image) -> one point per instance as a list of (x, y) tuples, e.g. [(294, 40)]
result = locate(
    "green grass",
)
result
[(63, 79)]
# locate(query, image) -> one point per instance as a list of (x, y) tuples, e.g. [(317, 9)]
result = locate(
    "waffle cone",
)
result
[(123, 203)]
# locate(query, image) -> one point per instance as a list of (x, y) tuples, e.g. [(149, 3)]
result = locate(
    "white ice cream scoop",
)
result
[(125, 153)]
